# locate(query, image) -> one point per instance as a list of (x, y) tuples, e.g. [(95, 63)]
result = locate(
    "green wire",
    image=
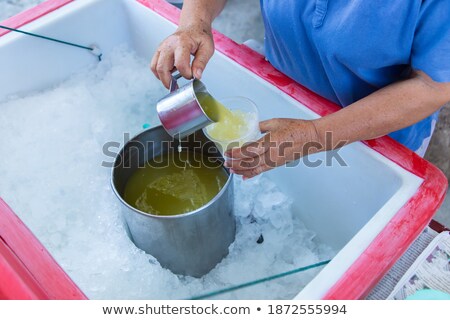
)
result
[(255, 282), (48, 38)]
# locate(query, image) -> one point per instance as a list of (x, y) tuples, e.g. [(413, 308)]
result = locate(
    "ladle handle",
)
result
[(173, 82)]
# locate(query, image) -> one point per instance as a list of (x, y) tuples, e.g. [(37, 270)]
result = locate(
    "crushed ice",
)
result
[(52, 177)]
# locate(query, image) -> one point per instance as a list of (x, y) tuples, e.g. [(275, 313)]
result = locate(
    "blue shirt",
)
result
[(345, 50)]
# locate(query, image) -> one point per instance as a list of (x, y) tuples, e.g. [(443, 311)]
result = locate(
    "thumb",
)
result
[(202, 56)]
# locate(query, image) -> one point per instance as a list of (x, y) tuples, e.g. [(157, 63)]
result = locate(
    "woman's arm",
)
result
[(193, 37), (394, 107), (200, 12)]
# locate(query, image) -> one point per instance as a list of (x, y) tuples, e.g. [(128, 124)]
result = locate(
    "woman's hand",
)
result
[(286, 140), (175, 52)]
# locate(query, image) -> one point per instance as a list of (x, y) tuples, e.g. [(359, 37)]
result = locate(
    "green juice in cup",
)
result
[(234, 125)]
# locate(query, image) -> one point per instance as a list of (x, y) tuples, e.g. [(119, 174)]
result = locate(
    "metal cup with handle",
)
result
[(180, 111)]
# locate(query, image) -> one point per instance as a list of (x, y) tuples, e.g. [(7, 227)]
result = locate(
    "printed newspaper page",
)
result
[(431, 270)]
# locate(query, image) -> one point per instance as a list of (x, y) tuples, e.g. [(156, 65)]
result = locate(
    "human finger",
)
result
[(249, 150), (154, 63), (202, 57), (182, 61), (165, 66)]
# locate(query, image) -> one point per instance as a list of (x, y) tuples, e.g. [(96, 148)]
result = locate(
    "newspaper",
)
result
[(431, 270)]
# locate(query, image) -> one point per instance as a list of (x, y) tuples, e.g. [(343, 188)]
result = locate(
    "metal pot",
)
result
[(188, 244)]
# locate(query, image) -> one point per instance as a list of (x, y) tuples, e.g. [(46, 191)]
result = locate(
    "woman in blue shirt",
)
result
[(387, 63)]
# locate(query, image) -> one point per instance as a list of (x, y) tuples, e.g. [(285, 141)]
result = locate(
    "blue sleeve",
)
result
[(431, 44)]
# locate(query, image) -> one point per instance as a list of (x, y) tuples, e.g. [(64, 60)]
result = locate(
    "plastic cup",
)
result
[(252, 133)]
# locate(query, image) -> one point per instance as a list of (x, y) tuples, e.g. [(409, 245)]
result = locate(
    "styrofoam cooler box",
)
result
[(369, 211)]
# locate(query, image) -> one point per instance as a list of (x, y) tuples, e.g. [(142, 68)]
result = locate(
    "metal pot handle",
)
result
[(173, 83)]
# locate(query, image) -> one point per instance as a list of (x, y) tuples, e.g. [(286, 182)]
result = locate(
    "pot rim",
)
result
[(176, 216)]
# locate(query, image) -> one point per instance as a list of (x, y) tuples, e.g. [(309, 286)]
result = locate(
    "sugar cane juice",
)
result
[(231, 127), (229, 124), (175, 183), (180, 182)]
